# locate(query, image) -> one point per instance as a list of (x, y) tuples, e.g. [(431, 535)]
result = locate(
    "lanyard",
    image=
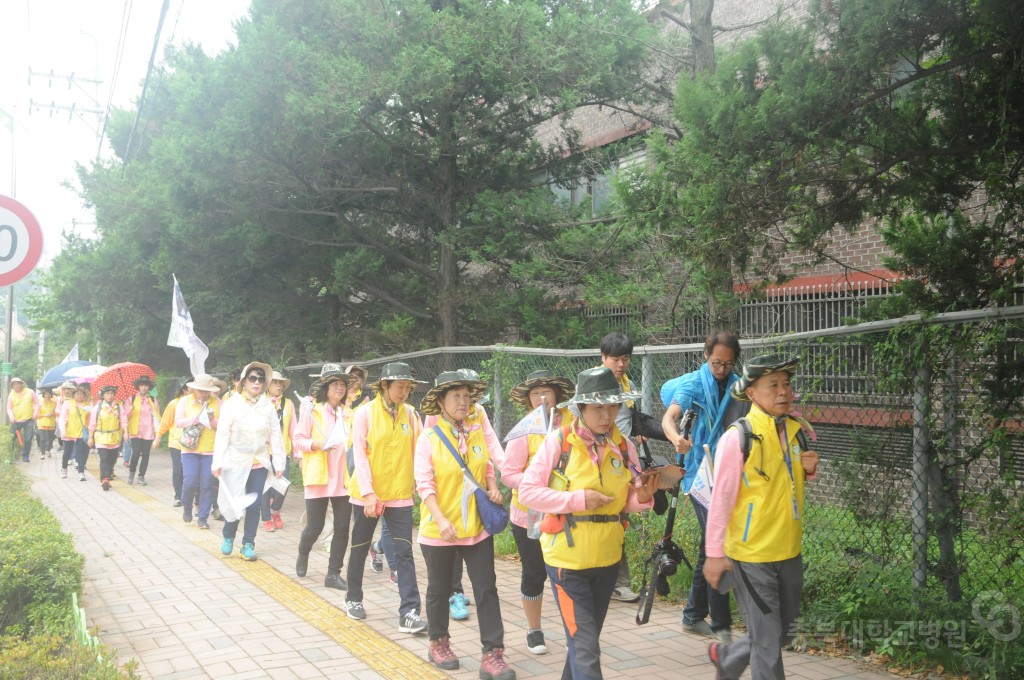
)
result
[(788, 457)]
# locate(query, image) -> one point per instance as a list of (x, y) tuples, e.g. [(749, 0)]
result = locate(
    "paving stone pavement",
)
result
[(159, 592)]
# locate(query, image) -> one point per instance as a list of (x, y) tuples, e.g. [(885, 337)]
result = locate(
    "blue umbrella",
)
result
[(55, 376)]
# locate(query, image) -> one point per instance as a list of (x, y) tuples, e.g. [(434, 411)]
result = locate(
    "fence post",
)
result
[(498, 393), (646, 381), (919, 492)]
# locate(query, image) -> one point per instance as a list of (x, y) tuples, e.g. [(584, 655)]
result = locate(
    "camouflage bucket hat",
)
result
[(446, 381), (563, 387), (759, 367), (599, 386), (397, 370)]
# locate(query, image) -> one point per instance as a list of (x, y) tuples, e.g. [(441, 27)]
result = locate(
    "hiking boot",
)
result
[(698, 628), (268, 525), (226, 546), (494, 667), (535, 642), (624, 594), (441, 655), (105, 483), (142, 480), (335, 581), (131, 477), (377, 559), (457, 607), (301, 564), (355, 610), (410, 622), (64, 473), (248, 552), (276, 519)]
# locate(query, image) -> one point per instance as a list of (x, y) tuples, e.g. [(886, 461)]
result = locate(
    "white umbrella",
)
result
[(84, 374)]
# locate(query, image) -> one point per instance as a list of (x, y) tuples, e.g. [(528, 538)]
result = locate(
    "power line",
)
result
[(145, 83), (126, 14)]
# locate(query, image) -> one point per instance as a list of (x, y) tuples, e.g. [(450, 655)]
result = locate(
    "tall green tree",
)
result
[(354, 177)]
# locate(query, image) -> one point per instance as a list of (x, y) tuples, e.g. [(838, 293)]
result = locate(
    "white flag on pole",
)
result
[(72, 355), (183, 335)]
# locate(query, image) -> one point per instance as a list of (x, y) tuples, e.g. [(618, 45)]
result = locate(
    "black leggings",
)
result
[(316, 516)]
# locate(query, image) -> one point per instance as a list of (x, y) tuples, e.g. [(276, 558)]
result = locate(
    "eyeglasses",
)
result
[(253, 378), (728, 365)]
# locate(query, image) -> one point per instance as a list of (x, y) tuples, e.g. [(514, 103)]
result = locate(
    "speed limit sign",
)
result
[(21, 241)]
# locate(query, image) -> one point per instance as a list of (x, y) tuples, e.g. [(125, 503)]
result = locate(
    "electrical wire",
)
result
[(126, 14)]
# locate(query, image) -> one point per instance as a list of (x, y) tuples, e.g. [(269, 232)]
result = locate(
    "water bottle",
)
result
[(533, 519)]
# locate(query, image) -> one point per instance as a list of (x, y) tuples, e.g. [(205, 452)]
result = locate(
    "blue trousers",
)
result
[(196, 480), (254, 484)]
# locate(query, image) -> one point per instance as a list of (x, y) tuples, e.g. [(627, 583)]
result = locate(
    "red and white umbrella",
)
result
[(121, 376)]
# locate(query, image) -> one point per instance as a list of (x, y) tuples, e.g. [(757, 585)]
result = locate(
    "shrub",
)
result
[(57, 658), (39, 568)]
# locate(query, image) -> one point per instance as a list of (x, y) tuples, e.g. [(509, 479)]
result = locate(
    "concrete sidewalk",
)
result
[(160, 593)]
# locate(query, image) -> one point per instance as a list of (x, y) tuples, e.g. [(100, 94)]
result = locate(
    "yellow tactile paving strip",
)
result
[(387, 658)]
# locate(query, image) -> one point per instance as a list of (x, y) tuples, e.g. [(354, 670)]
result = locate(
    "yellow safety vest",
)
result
[(450, 482), (390, 443), (76, 420), (23, 404), (136, 416), (108, 425), (763, 527), (47, 419), (192, 409), (533, 442), (595, 544), (286, 421)]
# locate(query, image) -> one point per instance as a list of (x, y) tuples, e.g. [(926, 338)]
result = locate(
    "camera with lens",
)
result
[(665, 562)]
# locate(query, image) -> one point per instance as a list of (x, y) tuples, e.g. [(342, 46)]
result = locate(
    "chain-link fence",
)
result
[(919, 429)]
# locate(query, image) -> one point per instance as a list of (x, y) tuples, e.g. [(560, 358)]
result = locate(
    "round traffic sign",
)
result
[(21, 241)]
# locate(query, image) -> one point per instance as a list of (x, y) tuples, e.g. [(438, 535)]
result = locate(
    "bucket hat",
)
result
[(357, 371), (446, 381), (106, 388), (759, 367), (563, 387), (286, 382), (397, 370), (599, 386), (328, 377), (329, 367), (203, 382), (143, 380)]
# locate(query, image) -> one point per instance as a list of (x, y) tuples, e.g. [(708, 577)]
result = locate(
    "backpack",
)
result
[(747, 437)]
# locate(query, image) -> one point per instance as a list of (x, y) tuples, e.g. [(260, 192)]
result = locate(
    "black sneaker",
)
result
[(355, 610), (335, 581), (410, 622), (535, 642), (376, 558)]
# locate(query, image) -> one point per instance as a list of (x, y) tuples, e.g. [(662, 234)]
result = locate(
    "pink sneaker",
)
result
[(494, 667)]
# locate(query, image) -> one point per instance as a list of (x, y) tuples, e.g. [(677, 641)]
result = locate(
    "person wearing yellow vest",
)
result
[(586, 477), (541, 388), (46, 422), (173, 443), (450, 527), (754, 527), (73, 422), (22, 409), (105, 432), (142, 411), (200, 407), (384, 433), (616, 355), (273, 500), (248, 448), (325, 428)]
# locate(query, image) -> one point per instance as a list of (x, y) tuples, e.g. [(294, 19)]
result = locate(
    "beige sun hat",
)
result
[(204, 382), (286, 381)]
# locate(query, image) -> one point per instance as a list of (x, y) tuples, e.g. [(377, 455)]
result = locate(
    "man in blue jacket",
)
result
[(706, 391)]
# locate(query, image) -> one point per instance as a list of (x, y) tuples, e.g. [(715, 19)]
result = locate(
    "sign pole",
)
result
[(7, 349)]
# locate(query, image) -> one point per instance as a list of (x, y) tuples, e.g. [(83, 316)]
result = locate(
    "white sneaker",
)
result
[(624, 594), (64, 473)]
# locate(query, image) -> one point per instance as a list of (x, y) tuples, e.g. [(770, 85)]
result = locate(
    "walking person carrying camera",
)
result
[(585, 477), (755, 526)]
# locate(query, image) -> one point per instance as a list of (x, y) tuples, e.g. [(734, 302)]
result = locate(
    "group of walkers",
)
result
[(575, 477)]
